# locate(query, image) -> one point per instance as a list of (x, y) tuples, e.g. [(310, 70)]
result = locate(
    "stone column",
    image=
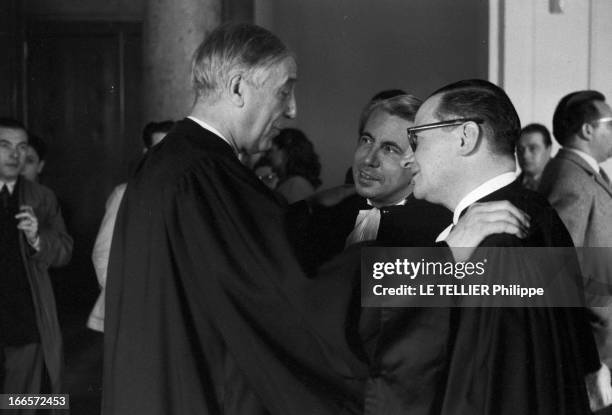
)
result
[(172, 31)]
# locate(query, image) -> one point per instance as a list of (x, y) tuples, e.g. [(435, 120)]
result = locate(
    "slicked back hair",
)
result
[(477, 98), (573, 111), (39, 145), (233, 49), (12, 123), (402, 106), (379, 96)]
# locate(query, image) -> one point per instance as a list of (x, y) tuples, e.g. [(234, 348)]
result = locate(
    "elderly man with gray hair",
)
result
[(202, 315)]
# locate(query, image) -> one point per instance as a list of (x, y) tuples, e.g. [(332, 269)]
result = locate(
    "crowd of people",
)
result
[(232, 285)]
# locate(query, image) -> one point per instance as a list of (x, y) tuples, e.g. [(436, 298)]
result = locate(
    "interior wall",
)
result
[(348, 50), (543, 55), (87, 9)]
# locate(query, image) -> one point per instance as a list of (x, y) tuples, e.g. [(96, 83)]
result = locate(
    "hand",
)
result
[(482, 220), (599, 388), (333, 196), (28, 223)]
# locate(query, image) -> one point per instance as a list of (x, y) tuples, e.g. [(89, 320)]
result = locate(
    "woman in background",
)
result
[(293, 157)]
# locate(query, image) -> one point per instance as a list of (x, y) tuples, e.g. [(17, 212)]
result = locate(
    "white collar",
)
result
[(213, 130), (483, 190), (10, 185), (400, 203), (590, 160)]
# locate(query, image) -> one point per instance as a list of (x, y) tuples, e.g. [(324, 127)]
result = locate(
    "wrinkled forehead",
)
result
[(381, 122)]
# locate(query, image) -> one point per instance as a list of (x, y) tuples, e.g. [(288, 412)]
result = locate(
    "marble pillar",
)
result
[(172, 31)]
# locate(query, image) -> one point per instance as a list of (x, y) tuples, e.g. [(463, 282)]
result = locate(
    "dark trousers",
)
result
[(22, 371)]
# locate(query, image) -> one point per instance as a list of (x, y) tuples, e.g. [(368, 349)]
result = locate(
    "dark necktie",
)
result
[(4, 195)]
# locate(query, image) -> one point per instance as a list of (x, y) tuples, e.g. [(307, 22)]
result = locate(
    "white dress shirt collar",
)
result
[(400, 203), (10, 185), (483, 190), (478, 193), (213, 130), (590, 160)]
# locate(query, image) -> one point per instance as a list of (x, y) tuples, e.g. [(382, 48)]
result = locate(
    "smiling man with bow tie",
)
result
[(404, 347)]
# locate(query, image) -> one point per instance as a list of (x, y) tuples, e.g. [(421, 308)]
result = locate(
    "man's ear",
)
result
[(237, 89), (470, 133), (586, 131)]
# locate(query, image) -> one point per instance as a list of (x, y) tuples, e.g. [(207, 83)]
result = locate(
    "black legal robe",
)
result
[(521, 360), (207, 310), (319, 233), (406, 347)]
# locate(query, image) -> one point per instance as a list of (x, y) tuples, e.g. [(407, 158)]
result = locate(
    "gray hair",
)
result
[(404, 106), (232, 49)]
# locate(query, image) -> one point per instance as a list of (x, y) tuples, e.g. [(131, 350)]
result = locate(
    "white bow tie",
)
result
[(366, 226)]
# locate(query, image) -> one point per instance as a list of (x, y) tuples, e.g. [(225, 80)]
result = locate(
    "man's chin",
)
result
[(418, 193), (365, 191)]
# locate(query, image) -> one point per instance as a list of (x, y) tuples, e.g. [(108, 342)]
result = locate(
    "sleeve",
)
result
[(101, 249), (55, 242), (573, 203)]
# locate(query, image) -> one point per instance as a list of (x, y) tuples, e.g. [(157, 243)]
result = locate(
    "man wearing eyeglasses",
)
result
[(403, 345), (579, 189), (502, 360)]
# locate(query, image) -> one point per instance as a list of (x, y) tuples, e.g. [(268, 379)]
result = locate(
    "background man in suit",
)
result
[(533, 153), (33, 237), (580, 191), (35, 158), (501, 359)]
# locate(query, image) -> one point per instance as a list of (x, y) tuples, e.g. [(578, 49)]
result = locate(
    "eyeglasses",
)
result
[(412, 132), (604, 119)]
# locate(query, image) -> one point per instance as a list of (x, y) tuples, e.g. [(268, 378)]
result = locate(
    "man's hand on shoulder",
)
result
[(482, 220)]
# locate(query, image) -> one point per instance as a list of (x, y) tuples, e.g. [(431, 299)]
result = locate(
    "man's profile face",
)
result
[(602, 133), (33, 165), (13, 147), (432, 168), (380, 167), (270, 103), (532, 153)]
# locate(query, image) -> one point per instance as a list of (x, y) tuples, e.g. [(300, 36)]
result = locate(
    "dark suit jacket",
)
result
[(521, 360), (406, 348), (320, 233)]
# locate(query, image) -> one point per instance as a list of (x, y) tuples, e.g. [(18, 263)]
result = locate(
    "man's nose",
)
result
[(371, 157)]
